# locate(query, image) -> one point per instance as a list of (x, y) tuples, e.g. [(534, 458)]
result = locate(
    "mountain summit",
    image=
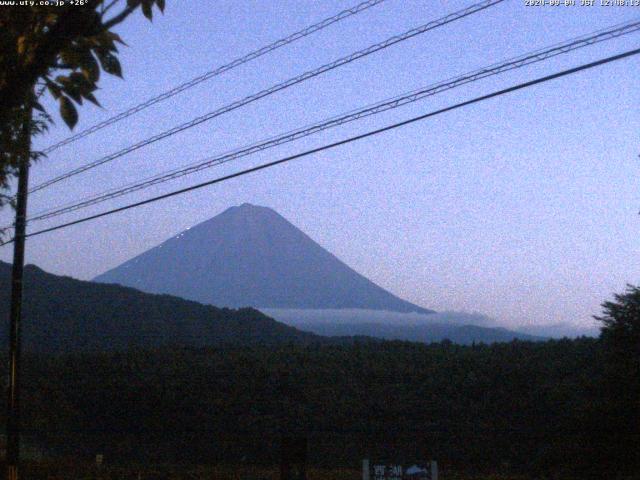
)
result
[(252, 256)]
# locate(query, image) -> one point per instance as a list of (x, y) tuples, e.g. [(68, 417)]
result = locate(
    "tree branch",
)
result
[(108, 7), (119, 18)]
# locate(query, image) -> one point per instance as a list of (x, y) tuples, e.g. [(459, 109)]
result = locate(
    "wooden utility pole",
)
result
[(13, 404)]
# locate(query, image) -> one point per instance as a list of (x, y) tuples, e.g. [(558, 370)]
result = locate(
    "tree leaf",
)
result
[(92, 99), (146, 9), (90, 68), (75, 94), (71, 57), (72, 86), (68, 112), (54, 89), (22, 45), (81, 83), (161, 5), (116, 38), (109, 62), (106, 41)]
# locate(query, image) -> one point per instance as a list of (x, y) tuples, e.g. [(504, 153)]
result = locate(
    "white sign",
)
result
[(379, 471)]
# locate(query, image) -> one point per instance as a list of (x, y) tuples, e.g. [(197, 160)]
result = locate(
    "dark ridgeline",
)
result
[(62, 314), (252, 256), (429, 333)]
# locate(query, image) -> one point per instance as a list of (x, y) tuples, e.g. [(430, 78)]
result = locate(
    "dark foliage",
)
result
[(517, 407), (62, 314), (59, 49), (619, 405)]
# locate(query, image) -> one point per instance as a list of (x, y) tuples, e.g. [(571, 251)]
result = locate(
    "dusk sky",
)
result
[(523, 207)]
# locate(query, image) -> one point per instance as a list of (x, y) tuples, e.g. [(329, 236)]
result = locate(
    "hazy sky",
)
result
[(524, 207)]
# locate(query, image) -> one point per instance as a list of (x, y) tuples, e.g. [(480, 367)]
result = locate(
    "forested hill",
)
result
[(62, 314)]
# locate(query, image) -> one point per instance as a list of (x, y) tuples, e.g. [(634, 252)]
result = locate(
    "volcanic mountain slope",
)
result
[(61, 314), (252, 256)]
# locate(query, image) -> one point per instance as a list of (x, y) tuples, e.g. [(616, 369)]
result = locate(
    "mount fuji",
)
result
[(252, 256)]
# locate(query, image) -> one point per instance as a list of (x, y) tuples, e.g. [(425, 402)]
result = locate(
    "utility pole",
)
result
[(13, 404)]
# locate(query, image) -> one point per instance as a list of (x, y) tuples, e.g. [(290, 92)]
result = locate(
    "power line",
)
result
[(276, 88), (217, 71), (389, 104), (371, 133)]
